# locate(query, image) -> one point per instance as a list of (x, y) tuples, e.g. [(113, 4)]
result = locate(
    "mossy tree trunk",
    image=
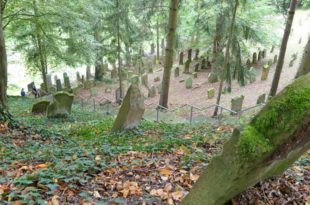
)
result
[(267, 146), (172, 26), (3, 63), (304, 67), (121, 89), (227, 56), (287, 31)]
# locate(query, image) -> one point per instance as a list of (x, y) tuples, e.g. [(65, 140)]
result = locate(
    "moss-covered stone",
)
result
[(61, 107), (40, 107)]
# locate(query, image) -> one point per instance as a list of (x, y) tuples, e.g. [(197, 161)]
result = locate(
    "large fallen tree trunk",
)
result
[(267, 146)]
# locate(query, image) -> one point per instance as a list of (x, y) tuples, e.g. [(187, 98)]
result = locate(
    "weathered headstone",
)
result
[(252, 77), (30, 86), (272, 49), (203, 64), (49, 80), (78, 76), (264, 53), (186, 67), (88, 73), (195, 74), (83, 79), (67, 82), (189, 54), (152, 92), (197, 67), (211, 93), (181, 58), (152, 48), (131, 111), (40, 107), (275, 59), (265, 72), (261, 99), (259, 58), (212, 77), (61, 106), (189, 83), (254, 60), (58, 85), (248, 63), (236, 103), (177, 72), (55, 78), (197, 54)]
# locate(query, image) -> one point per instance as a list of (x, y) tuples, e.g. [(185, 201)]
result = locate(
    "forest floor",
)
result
[(197, 96), (78, 161)]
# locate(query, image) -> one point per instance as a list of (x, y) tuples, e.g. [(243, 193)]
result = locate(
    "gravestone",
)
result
[(186, 67), (236, 103), (150, 70), (212, 77), (67, 82), (131, 111), (248, 63), (145, 80), (275, 59), (264, 53), (40, 107), (61, 106), (157, 79), (152, 92), (189, 54), (152, 48), (78, 76), (177, 72), (300, 40), (272, 49), (261, 99), (49, 80), (58, 85), (30, 86), (197, 54), (195, 75), (55, 78), (265, 72), (197, 67), (252, 77), (203, 64), (88, 73), (211, 93), (83, 79), (189, 83), (259, 58), (181, 58), (254, 59), (270, 62)]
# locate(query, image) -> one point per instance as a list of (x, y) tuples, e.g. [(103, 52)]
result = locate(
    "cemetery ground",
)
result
[(78, 161)]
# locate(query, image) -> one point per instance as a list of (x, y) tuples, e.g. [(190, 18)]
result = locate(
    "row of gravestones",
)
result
[(237, 102)]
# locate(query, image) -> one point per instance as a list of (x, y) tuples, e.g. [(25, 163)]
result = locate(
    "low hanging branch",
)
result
[(267, 146)]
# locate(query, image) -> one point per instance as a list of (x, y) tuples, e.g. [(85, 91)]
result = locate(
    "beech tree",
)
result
[(3, 61)]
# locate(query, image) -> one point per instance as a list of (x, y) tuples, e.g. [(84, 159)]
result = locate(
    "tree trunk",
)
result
[(3, 65), (119, 54), (226, 60), (99, 70), (172, 26), (267, 146), (157, 40), (305, 63), (287, 31)]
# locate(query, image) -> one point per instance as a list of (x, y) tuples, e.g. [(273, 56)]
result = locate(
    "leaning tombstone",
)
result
[(236, 103), (265, 72), (181, 58), (40, 108), (261, 99), (212, 77), (259, 58), (189, 83), (61, 106), (88, 73), (67, 82), (272, 49), (152, 92), (195, 74), (211, 93), (58, 85), (254, 60), (197, 54), (189, 54), (186, 67), (30, 86), (197, 67), (78, 77), (177, 72), (131, 111), (264, 53)]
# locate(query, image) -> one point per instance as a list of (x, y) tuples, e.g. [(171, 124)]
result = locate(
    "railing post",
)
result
[(191, 115)]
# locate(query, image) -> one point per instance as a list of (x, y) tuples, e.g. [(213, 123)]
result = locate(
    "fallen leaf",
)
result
[(41, 166), (165, 171)]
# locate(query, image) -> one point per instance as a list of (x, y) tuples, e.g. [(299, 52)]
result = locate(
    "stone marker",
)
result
[(152, 92), (275, 59), (189, 54), (145, 80), (88, 73), (30, 86), (211, 93), (195, 75), (55, 78), (40, 107), (197, 54), (78, 76), (265, 72), (58, 85), (186, 67), (177, 72), (272, 49), (181, 58), (261, 99), (49, 80), (248, 63), (264, 53), (131, 111), (212, 77), (236, 103), (259, 58), (253, 76), (83, 79), (67, 82), (203, 64), (254, 59), (197, 67), (61, 106), (189, 83)]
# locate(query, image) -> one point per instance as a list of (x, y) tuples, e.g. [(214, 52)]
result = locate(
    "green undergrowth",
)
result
[(278, 119)]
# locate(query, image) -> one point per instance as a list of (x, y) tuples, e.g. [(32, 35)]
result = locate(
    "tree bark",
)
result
[(172, 26), (99, 70), (304, 67), (157, 41), (275, 138), (119, 53), (226, 60), (287, 31), (3, 65)]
